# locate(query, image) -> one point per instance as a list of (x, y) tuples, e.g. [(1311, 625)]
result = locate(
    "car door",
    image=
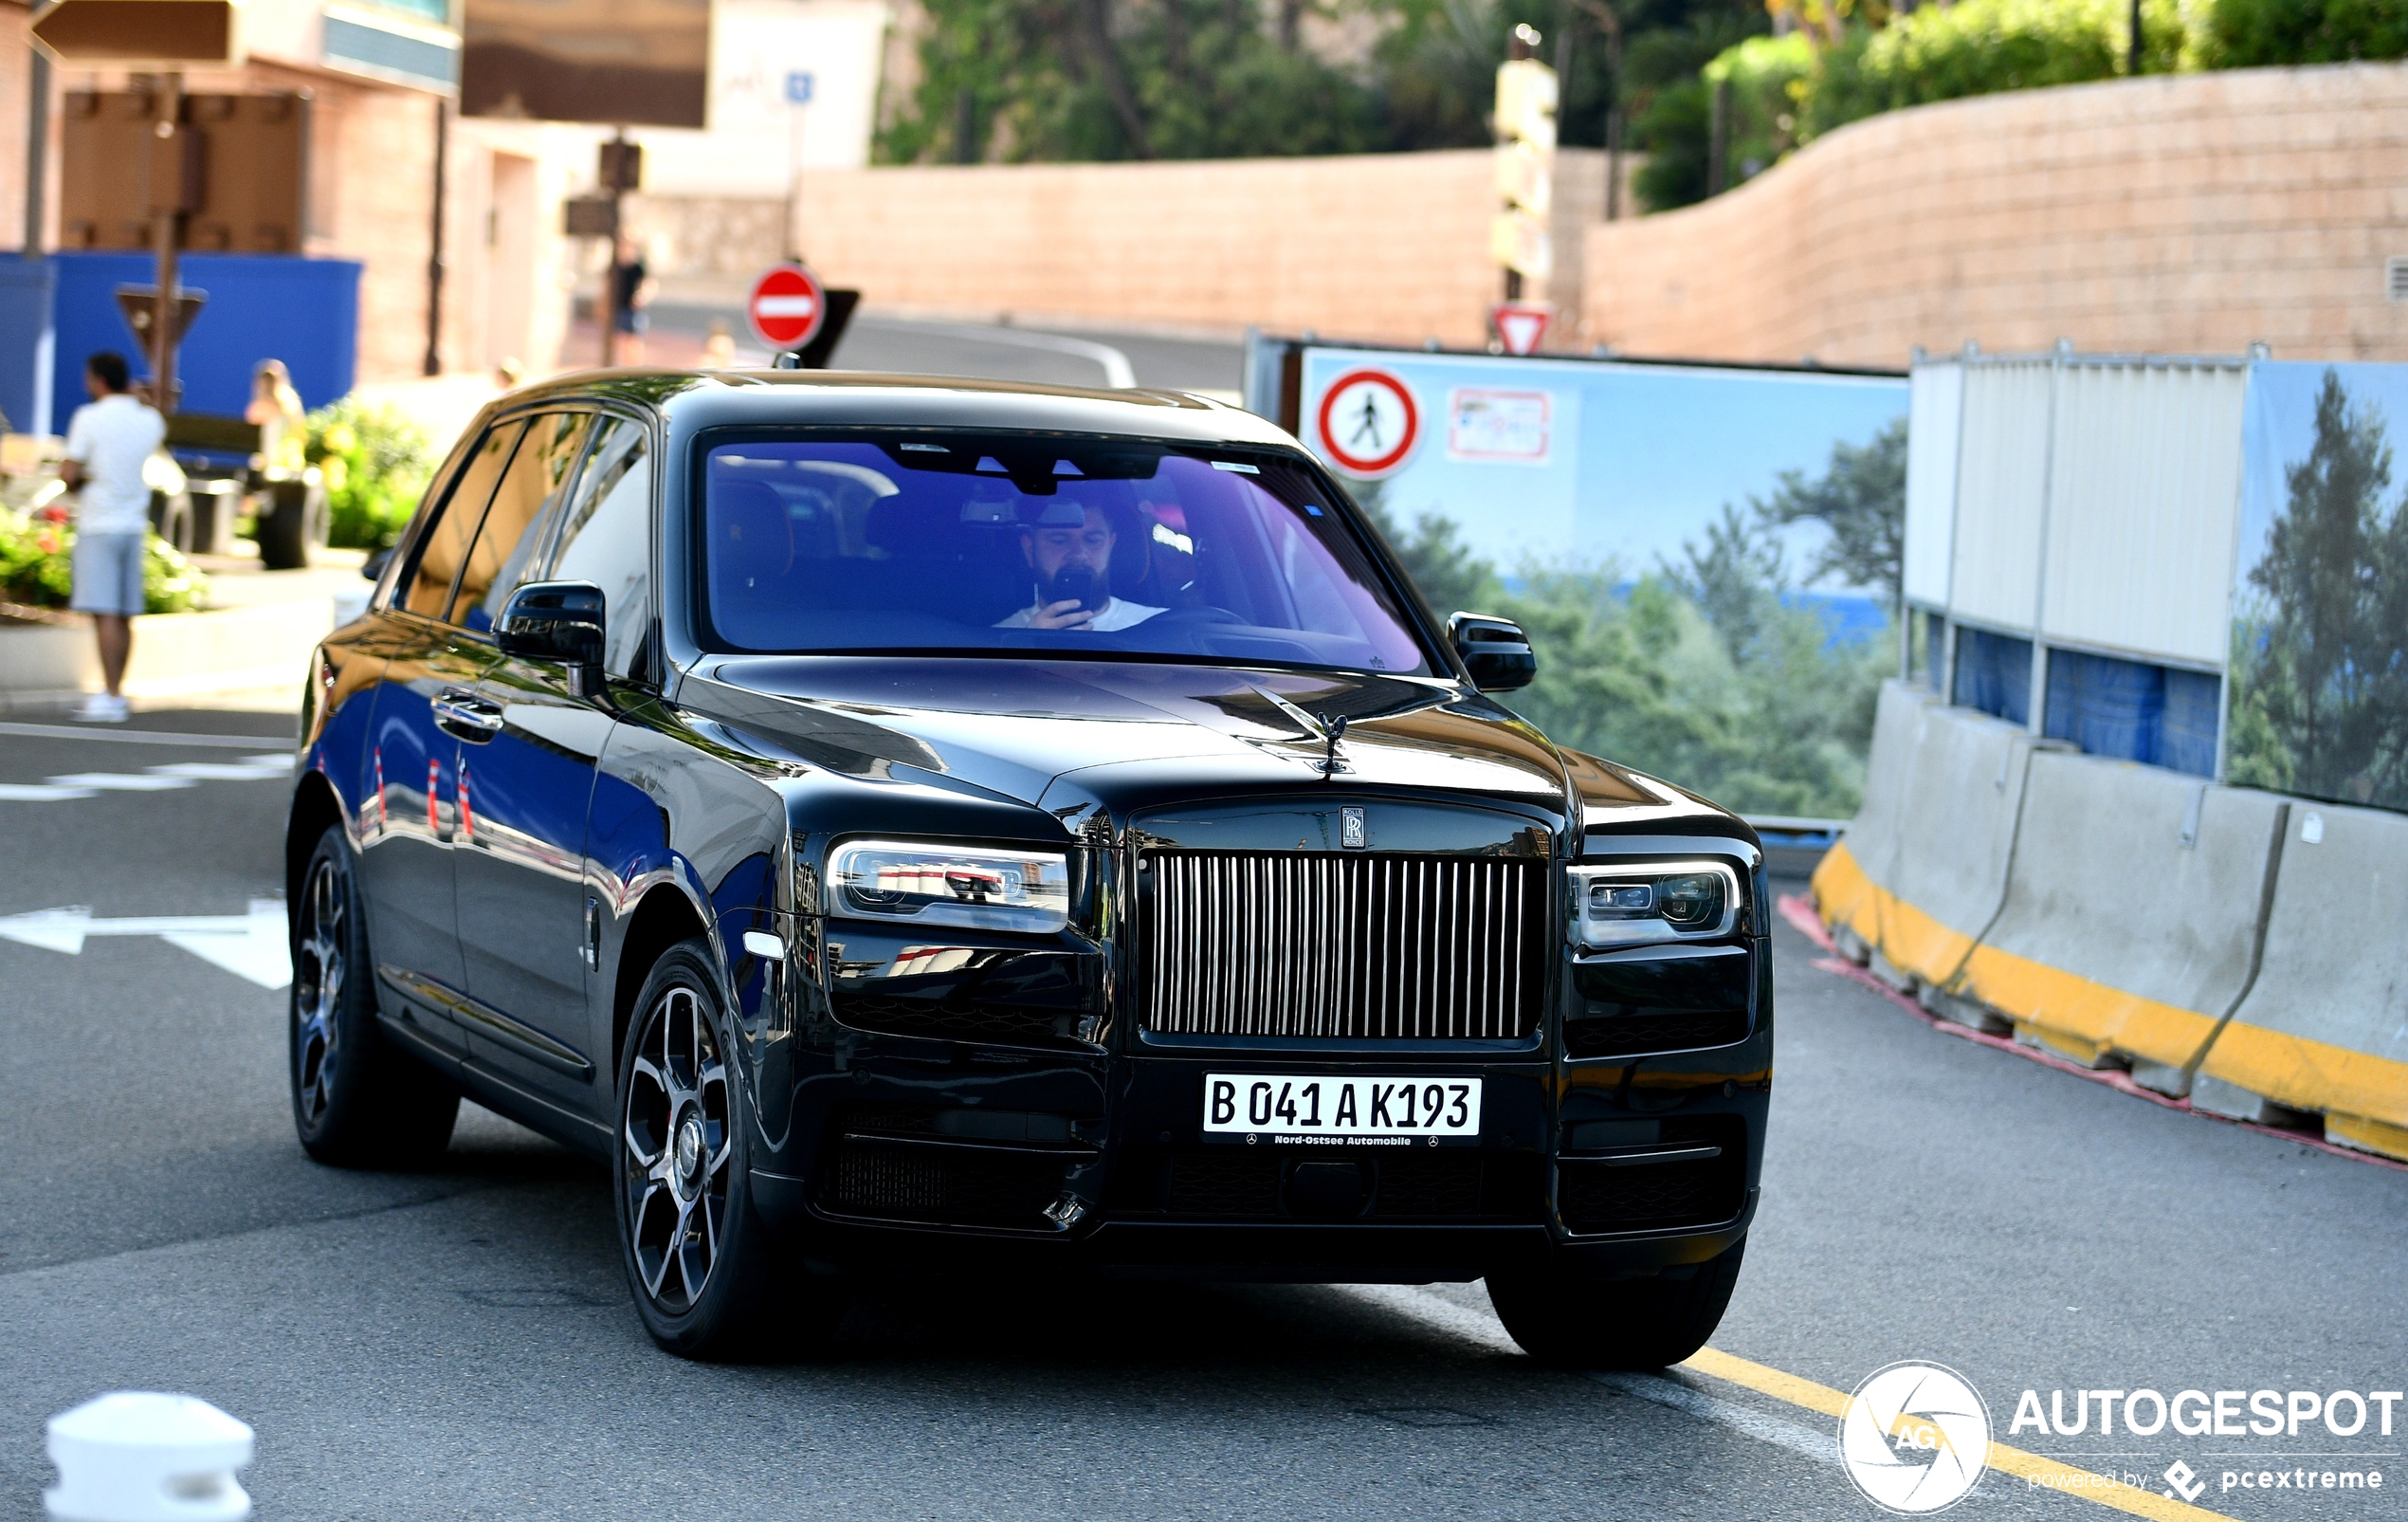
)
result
[(524, 907), (406, 858), (518, 802)]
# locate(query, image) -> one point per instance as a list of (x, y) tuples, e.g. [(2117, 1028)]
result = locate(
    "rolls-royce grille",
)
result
[(1399, 948)]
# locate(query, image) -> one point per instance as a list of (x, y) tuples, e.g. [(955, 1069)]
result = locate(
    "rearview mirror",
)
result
[(556, 622), (1494, 650)]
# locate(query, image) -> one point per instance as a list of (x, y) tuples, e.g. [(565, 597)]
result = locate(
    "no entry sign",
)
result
[(1368, 423), (787, 308)]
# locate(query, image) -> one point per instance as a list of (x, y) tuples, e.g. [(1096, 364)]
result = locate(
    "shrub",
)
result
[(376, 463), (37, 566), (2248, 33), (1767, 77), (1787, 90)]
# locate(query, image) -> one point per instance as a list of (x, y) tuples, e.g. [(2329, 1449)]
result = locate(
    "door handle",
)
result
[(466, 716)]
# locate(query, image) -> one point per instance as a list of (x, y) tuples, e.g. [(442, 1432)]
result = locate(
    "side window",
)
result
[(443, 547), (505, 552), (606, 537)]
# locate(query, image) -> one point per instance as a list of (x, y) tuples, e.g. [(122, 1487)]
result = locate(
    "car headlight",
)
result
[(1653, 901), (974, 885)]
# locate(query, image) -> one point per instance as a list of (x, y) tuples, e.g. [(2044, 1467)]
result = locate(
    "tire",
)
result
[(710, 1277), (1620, 1324), (358, 1100)]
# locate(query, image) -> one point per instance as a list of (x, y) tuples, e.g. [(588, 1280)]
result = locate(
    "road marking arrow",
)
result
[(249, 945)]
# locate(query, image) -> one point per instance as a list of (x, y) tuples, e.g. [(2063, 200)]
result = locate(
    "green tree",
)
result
[(1736, 579), (2254, 34), (1862, 499), (2321, 662), (1698, 675)]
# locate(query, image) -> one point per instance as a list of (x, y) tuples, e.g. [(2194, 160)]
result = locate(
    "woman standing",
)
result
[(284, 429)]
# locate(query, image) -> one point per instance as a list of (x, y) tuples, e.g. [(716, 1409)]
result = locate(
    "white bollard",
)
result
[(137, 1456)]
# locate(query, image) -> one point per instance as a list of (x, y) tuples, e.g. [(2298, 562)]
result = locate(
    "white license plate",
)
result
[(1341, 1111)]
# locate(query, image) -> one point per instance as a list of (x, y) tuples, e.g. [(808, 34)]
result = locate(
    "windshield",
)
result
[(996, 544)]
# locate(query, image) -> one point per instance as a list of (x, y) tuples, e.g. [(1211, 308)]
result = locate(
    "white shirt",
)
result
[(111, 438), (1113, 614)]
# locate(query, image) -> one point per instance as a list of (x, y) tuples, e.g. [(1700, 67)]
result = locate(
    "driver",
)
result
[(1070, 551)]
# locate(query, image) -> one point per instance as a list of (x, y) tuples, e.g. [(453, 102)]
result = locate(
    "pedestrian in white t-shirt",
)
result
[(107, 442)]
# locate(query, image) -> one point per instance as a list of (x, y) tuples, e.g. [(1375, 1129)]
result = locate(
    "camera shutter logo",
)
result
[(1914, 1437)]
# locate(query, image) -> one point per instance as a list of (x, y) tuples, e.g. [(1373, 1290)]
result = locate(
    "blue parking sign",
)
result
[(798, 89)]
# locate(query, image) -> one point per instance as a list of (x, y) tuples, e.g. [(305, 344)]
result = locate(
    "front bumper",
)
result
[(1096, 1162)]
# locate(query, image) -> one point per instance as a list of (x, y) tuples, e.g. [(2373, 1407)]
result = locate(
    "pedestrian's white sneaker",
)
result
[(101, 707)]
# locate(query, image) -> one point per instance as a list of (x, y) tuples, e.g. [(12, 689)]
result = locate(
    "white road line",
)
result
[(41, 793), (137, 736), (121, 781), (1482, 1328), (1116, 371), (150, 779), (251, 945), (249, 769)]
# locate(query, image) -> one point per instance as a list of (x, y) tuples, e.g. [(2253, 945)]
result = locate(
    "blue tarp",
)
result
[(2133, 710), (1994, 674)]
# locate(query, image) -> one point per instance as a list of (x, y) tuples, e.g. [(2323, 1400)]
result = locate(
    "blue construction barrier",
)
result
[(26, 289), (260, 306)]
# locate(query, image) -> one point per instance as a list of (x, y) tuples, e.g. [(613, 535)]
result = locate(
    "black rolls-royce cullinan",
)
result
[(907, 824)]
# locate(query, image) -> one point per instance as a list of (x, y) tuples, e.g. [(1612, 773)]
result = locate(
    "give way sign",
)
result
[(787, 307), (1520, 324)]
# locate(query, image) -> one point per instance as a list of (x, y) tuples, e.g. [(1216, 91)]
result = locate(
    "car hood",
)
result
[(1069, 736)]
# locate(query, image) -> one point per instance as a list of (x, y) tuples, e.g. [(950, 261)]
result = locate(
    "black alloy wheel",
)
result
[(707, 1273), (358, 1101), (678, 1151), (1653, 1323)]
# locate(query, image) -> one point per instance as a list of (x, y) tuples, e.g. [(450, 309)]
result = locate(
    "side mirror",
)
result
[(1494, 650), (556, 622), (374, 567)]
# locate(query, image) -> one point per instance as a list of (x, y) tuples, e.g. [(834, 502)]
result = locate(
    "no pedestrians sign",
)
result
[(1368, 423)]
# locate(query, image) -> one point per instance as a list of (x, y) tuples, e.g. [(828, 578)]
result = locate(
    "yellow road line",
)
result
[(2064, 1478)]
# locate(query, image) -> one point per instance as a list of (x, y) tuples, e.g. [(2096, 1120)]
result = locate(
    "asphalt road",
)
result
[(459, 1343)]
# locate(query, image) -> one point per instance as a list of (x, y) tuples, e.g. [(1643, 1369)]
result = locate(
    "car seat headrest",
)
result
[(751, 526)]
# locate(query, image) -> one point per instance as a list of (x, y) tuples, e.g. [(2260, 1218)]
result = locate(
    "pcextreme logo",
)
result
[(1914, 1437)]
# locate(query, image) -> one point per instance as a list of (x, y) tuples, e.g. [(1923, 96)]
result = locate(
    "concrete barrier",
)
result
[(2325, 1029), (1923, 870), (2232, 945), (2131, 914)]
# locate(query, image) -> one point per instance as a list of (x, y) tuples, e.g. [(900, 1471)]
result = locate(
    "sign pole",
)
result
[(168, 192), (798, 93)]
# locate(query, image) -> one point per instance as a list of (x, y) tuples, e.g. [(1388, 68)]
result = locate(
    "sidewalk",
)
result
[(249, 649)]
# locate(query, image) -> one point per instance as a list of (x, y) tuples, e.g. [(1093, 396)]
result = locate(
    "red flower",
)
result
[(55, 513)]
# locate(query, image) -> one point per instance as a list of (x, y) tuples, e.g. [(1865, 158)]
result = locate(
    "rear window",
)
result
[(1006, 544)]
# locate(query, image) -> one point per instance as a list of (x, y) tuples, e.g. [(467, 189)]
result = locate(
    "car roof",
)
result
[(693, 399)]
